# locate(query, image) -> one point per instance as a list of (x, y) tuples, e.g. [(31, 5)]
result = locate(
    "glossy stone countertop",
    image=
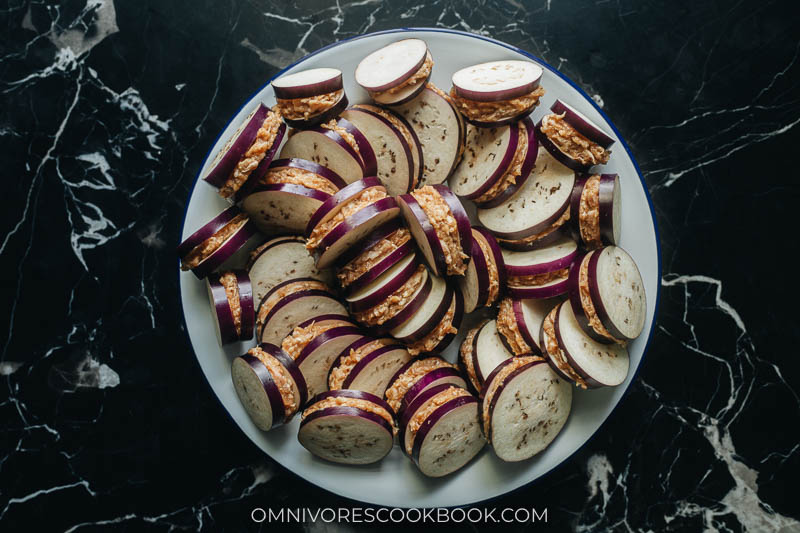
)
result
[(107, 110)]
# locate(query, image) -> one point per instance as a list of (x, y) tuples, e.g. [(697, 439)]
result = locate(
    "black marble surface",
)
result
[(106, 112)]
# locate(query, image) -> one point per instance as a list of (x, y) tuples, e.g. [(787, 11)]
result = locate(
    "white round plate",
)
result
[(395, 481)]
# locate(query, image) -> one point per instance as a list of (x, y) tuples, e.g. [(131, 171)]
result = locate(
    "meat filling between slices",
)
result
[(290, 288), (466, 357), (281, 378), (250, 160), (508, 328), (296, 341), (346, 135), (403, 382), (589, 213), (554, 351), (370, 257), (305, 108), (572, 143), (343, 401), (495, 111), (428, 408), (514, 170), (230, 283), (345, 365), (202, 251), (299, 176), (497, 380), (494, 274), (533, 238), (588, 304), (363, 199), (535, 280), (445, 226), (432, 339), (419, 76), (394, 303)]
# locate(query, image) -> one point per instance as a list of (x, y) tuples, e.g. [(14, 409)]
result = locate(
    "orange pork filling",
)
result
[(360, 201), (572, 143), (281, 378), (231, 285), (305, 108), (508, 328), (495, 111), (445, 226), (342, 401), (346, 364), (398, 389), (432, 339), (371, 257), (419, 76), (203, 250), (589, 213), (295, 342), (394, 303), (555, 353), (429, 407), (250, 160), (501, 375), (538, 279), (466, 357), (514, 170), (588, 305), (299, 176)]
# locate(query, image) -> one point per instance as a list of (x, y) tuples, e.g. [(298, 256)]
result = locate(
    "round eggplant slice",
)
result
[(439, 376), (391, 65), (449, 438), (445, 331), (488, 155), (598, 364), (610, 208), (238, 240), (474, 285), (224, 304), (282, 207), (384, 264), (257, 391), (229, 155), (380, 233), (384, 285), (437, 126), (364, 150), (401, 96), (282, 259), (295, 308), (335, 203), (424, 233), (527, 410), (308, 83), (548, 189), (582, 124), (551, 289), (580, 292), (207, 230), (317, 357), (531, 153), (617, 292), (497, 80), (488, 350), (354, 229), (410, 408), (392, 152), (327, 148), (429, 315), (346, 435), (413, 305), (529, 315), (556, 256), (221, 310), (309, 166), (373, 371)]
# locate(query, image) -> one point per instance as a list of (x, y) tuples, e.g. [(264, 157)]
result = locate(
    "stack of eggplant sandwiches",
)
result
[(350, 258)]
